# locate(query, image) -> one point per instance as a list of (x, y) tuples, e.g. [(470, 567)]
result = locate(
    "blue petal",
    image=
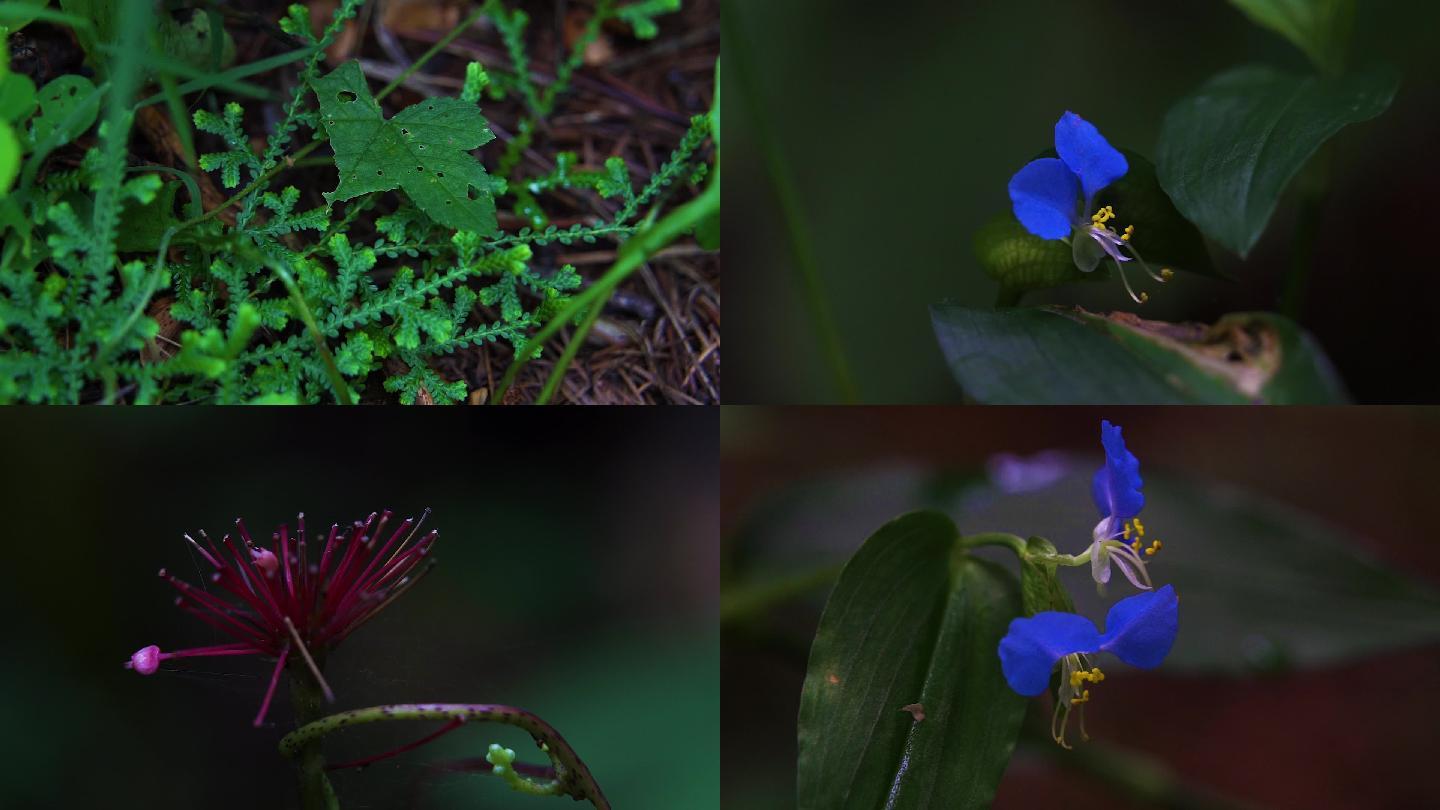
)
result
[(1116, 486), (1141, 629), (1088, 154), (1043, 194), (1029, 651)]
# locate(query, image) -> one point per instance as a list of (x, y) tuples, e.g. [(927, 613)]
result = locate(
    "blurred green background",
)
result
[(1301, 541), (899, 125), (576, 578)]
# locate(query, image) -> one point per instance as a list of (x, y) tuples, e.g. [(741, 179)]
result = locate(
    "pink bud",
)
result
[(264, 559), (146, 661)]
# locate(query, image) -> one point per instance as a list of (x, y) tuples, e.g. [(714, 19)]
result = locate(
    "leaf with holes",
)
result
[(423, 150)]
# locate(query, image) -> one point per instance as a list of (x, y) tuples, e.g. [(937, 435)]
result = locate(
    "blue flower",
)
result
[(1116, 492), (1139, 630), (1047, 198)]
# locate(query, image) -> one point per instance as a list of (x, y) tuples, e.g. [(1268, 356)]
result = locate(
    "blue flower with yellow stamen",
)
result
[(1116, 492), (1139, 630), (1047, 198)]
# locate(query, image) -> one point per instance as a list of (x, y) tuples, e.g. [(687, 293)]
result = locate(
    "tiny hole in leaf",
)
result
[(439, 174), (404, 131), (346, 96), (472, 192), (380, 172), (74, 90), (419, 168)]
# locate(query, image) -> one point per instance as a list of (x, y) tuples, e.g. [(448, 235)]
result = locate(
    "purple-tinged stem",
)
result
[(360, 763), (573, 777)]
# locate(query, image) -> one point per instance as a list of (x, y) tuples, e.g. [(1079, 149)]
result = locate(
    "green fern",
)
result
[(286, 305)]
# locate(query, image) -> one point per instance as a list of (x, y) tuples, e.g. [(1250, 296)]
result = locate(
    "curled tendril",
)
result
[(566, 776)]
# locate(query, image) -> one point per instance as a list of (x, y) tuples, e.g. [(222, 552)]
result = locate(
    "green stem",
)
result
[(315, 790), (572, 777), (803, 254), (567, 356), (632, 254), (1010, 541)]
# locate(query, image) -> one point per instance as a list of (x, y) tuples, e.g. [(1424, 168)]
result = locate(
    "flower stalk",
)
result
[(316, 793), (567, 775)]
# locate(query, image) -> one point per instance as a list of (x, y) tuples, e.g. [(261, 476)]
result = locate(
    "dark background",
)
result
[(1354, 733), (901, 124), (576, 578)]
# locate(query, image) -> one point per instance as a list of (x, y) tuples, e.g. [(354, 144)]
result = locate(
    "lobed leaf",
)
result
[(423, 150)]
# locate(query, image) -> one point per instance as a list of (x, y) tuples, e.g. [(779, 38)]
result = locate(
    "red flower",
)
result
[(276, 602)]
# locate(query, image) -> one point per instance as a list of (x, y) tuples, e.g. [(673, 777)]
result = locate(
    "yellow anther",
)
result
[(1084, 698), (1135, 545), (1139, 527), (1166, 273), (1126, 533), (1150, 552), (1124, 237), (1129, 229), (1096, 675), (1157, 544), (1102, 216)]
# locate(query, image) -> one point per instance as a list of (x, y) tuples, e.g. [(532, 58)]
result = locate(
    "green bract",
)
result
[(423, 150)]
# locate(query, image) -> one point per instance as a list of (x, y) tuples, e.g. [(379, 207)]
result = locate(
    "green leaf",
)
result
[(707, 233), (9, 157), (1320, 28), (1070, 356), (68, 107), (17, 96), (423, 150), (904, 704), (15, 15), (1228, 151)]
